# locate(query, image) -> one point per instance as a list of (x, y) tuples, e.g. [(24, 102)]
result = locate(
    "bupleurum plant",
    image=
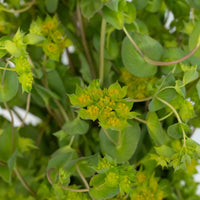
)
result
[(117, 90)]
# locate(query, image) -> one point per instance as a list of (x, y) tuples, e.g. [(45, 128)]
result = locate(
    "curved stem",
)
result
[(101, 55), (108, 136), (27, 110), (71, 141), (21, 10), (12, 126), (160, 63), (24, 183), (177, 116), (166, 116), (9, 69), (139, 100), (83, 179), (133, 42), (85, 45), (74, 190), (62, 110), (140, 120)]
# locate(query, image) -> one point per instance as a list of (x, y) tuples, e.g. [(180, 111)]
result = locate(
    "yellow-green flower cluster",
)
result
[(108, 105), (122, 176), (138, 88), (54, 39), (147, 189), (184, 107), (23, 69)]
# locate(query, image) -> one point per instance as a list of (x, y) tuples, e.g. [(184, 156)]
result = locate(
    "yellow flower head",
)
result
[(93, 112)]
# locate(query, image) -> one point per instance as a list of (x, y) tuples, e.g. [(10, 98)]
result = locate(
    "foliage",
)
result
[(117, 117)]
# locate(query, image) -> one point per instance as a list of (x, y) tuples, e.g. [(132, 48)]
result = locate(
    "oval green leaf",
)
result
[(10, 87), (127, 145), (134, 62), (155, 129)]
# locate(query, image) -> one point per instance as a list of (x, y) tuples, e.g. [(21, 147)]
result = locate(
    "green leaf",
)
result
[(129, 13), (140, 4), (90, 7), (190, 75), (45, 93), (76, 127), (175, 130), (114, 18), (51, 5), (194, 4), (113, 5), (127, 142), (85, 69), (194, 38), (155, 129), (100, 189), (11, 164), (198, 88), (33, 39), (133, 61), (154, 5), (180, 89), (60, 157), (12, 48), (10, 87), (167, 95), (6, 143), (165, 151)]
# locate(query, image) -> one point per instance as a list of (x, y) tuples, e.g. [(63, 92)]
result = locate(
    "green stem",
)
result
[(101, 56), (9, 69), (140, 120), (139, 100), (62, 110), (160, 63), (83, 179), (21, 10), (12, 127), (74, 190), (71, 141), (166, 116), (27, 110), (85, 45), (177, 116), (24, 183), (108, 136)]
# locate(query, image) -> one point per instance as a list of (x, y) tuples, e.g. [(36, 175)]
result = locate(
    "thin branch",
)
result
[(84, 180), (48, 175), (71, 65), (43, 128), (71, 141), (85, 45), (24, 183), (27, 110), (82, 177), (62, 110), (21, 10), (133, 42), (160, 63), (166, 116), (3, 163), (139, 100), (177, 116), (101, 55), (108, 136), (74, 190), (4, 73), (8, 69), (140, 120), (12, 127)]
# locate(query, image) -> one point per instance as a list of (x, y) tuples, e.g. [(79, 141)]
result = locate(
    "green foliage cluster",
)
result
[(117, 119)]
